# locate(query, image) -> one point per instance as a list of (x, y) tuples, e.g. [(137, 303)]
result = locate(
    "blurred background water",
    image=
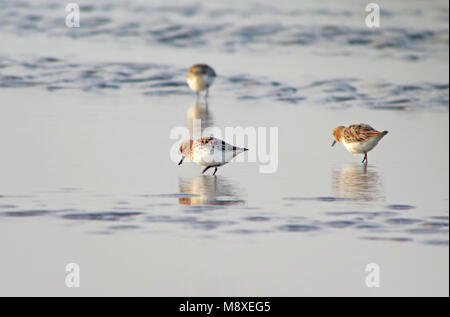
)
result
[(85, 169)]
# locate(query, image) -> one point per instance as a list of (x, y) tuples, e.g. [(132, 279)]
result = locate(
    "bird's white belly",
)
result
[(361, 147), (207, 157), (200, 82)]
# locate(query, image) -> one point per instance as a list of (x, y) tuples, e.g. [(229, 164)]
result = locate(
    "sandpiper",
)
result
[(209, 152), (200, 77), (358, 138)]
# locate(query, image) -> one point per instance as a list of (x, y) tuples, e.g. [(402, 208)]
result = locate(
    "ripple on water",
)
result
[(247, 231), (101, 216), (440, 218), (123, 227), (368, 226), (298, 228), (339, 224), (202, 208), (363, 214), (33, 212), (257, 218), (435, 224), (6, 206), (164, 80), (211, 224), (403, 221), (394, 239), (213, 26), (173, 195), (321, 199), (170, 219), (423, 230), (400, 207), (192, 222), (122, 203), (436, 242)]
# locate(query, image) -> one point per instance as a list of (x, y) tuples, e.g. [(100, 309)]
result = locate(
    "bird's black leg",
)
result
[(365, 158), (206, 168), (215, 171), (207, 93)]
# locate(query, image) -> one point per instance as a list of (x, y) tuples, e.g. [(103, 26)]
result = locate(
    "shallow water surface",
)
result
[(87, 177)]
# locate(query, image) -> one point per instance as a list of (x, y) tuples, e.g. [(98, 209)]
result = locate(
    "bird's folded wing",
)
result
[(359, 132), (206, 140), (217, 145)]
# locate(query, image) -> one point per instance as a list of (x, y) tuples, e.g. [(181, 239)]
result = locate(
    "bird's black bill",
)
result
[(181, 161), (334, 142)]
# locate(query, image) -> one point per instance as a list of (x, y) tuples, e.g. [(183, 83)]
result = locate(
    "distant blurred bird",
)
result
[(209, 152), (358, 138), (200, 77)]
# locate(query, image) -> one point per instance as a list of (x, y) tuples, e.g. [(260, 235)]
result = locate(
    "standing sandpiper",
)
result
[(200, 77), (209, 152), (358, 138)]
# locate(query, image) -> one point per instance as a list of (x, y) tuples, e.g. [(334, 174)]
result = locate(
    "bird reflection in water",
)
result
[(205, 189), (358, 181), (199, 111), (209, 190)]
